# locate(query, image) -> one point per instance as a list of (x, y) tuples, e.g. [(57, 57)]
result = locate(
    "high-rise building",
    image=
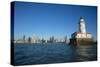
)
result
[(29, 40), (35, 39), (65, 39), (24, 39)]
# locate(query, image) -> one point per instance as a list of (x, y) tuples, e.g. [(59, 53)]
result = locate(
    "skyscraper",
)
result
[(24, 39)]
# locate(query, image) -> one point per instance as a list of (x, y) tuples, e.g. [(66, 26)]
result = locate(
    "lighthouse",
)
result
[(81, 36), (82, 27)]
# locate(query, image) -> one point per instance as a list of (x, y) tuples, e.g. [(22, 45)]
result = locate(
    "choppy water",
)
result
[(53, 53)]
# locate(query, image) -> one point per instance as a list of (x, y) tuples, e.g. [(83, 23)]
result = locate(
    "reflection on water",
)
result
[(86, 53), (53, 53)]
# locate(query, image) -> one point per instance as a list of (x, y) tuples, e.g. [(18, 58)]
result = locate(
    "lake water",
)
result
[(25, 54)]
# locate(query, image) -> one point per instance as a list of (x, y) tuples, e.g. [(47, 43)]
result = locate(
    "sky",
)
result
[(46, 20)]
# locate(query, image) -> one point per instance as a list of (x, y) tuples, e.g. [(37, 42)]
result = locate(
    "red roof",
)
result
[(79, 33)]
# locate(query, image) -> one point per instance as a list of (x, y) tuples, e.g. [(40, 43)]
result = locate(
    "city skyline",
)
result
[(46, 20)]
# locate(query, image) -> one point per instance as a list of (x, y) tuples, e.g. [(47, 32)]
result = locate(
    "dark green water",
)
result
[(25, 54)]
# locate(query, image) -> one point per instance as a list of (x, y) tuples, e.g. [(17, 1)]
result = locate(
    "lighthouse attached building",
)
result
[(81, 37)]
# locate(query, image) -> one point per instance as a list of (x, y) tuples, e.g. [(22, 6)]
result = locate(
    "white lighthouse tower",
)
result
[(82, 30), (82, 27), (81, 36)]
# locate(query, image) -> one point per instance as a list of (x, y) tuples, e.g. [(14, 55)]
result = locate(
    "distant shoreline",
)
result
[(41, 43)]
